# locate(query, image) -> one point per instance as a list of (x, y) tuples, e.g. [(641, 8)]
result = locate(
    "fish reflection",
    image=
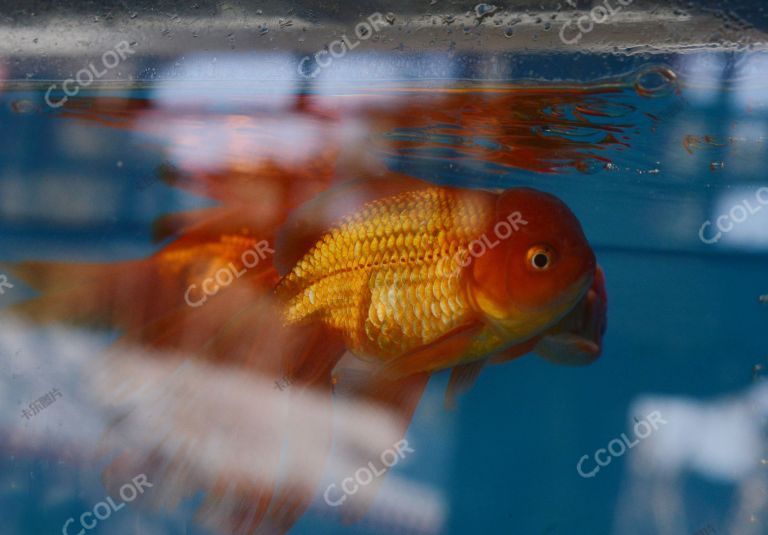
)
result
[(543, 128)]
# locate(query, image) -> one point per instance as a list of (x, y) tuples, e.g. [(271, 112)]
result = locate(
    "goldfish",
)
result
[(367, 291), (410, 278), (421, 278)]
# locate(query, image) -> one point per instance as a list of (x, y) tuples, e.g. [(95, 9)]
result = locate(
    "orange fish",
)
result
[(412, 278), (408, 277), (420, 278)]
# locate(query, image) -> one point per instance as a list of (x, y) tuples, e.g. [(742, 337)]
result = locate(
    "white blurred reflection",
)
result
[(751, 80), (239, 142), (722, 441), (370, 66), (192, 423), (703, 80), (265, 80), (743, 218)]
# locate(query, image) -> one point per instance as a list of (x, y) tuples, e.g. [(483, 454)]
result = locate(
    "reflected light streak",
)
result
[(190, 422)]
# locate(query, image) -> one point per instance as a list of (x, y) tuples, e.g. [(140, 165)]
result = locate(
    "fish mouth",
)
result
[(530, 322), (570, 298), (575, 293), (579, 288)]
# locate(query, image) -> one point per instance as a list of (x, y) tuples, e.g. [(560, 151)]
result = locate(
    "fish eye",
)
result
[(540, 257)]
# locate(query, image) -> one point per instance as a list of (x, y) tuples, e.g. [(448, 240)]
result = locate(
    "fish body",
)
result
[(412, 270), (386, 276)]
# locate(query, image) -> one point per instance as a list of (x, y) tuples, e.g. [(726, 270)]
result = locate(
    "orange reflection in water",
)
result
[(321, 138), (540, 129)]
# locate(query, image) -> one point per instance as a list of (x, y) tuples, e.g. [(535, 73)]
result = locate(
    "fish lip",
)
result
[(573, 294), (553, 311), (579, 289)]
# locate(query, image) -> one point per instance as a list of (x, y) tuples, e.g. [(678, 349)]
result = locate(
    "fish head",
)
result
[(534, 265)]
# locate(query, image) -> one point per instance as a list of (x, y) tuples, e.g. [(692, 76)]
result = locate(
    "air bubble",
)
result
[(655, 81)]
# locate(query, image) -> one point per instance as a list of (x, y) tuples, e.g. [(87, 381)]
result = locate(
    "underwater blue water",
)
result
[(684, 317)]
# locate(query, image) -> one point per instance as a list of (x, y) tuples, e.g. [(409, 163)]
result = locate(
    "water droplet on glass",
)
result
[(481, 10)]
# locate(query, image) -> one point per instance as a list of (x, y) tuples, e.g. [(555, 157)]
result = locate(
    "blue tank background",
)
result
[(684, 317)]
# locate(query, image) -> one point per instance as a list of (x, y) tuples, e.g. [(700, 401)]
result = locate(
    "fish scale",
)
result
[(385, 276)]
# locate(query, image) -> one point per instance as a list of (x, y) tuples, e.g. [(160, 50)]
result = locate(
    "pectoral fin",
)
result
[(568, 349), (516, 351), (463, 377), (440, 354)]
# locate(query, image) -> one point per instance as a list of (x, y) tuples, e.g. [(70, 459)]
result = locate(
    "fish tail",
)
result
[(133, 294), (86, 294)]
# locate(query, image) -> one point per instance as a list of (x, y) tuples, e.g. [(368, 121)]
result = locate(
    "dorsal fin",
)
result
[(309, 222)]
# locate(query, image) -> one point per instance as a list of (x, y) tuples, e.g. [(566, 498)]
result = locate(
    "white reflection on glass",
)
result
[(750, 78), (740, 215), (263, 80), (703, 78), (211, 421), (722, 441)]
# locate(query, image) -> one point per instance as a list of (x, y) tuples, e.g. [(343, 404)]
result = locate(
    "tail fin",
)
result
[(180, 438), (121, 295), (131, 295)]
